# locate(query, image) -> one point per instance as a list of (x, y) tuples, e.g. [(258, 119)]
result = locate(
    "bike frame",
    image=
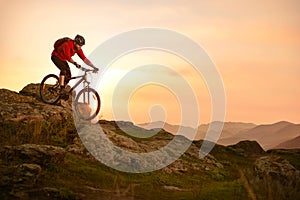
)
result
[(84, 80)]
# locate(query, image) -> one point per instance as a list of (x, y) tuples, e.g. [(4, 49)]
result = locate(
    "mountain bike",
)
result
[(87, 102)]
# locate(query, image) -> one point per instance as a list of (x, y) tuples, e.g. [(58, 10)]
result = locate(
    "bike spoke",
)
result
[(50, 89), (87, 104)]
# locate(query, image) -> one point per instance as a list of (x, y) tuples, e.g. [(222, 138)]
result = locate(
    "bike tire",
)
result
[(50, 89), (82, 106)]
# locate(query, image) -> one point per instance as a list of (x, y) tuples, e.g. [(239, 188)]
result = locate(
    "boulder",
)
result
[(278, 175), (26, 107), (32, 90), (26, 174), (277, 168), (24, 118), (14, 180)]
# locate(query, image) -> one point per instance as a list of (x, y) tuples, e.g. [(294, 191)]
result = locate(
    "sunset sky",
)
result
[(254, 44)]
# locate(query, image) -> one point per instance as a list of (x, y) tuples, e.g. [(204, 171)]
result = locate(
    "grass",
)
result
[(78, 174), (38, 132), (224, 190)]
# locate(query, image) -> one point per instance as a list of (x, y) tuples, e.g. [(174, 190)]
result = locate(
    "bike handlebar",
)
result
[(87, 70)]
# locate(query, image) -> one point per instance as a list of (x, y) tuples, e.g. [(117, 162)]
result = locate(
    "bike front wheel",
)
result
[(50, 89), (87, 104)]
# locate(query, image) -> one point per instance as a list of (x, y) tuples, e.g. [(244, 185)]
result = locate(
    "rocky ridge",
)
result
[(37, 138), (26, 107)]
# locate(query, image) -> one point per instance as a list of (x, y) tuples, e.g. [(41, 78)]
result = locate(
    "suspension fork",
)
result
[(87, 88)]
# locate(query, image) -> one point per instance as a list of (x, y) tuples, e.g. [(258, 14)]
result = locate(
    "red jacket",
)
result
[(65, 51)]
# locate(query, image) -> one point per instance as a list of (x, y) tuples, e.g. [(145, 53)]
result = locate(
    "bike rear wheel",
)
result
[(87, 104), (50, 89)]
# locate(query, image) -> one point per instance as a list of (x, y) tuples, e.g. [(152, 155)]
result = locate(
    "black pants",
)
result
[(64, 68)]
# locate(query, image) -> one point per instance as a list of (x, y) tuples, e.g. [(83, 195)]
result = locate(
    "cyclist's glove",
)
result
[(95, 70), (77, 65)]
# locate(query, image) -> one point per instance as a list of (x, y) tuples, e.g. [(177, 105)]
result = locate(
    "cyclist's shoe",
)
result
[(63, 91), (65, 97)]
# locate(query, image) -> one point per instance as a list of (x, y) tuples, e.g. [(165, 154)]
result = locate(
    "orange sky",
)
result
[(255, 46)]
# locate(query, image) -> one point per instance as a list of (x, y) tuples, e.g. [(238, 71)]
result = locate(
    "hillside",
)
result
[(290, 144), (42, 157)]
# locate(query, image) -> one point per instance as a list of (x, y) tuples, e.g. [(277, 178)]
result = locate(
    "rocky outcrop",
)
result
[(276, 168), (278, 175), (21, 167), (26, 107), (39, 154), (22, 174), (31, 90), (116, 148), (24, 118)]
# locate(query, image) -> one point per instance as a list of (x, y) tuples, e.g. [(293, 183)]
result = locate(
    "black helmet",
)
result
[(79, 40)]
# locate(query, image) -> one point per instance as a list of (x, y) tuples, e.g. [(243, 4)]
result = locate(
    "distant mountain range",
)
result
[(290, 144), (282, 134)]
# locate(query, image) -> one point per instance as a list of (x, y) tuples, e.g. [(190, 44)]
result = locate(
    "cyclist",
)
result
[(62, 54)]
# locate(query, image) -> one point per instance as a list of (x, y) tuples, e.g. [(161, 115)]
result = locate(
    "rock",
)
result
[(26, 119), (26, 174), (277, 168), (210, 159), (32, 90), (278, 175), (14, 180), (123, 141), (77, 147), (179, 166), (26, 107), (7, 96), (32, 153)]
